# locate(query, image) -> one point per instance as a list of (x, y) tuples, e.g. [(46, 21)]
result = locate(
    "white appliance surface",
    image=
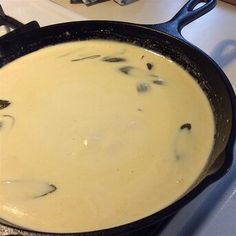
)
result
[(213, 212)]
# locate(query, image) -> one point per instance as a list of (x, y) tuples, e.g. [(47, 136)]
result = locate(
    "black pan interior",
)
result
[(209, 76)]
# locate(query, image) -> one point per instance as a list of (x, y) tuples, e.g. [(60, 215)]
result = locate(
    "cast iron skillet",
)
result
[(163, 38)]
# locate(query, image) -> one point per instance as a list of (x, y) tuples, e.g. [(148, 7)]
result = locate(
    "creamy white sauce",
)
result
[(87, 143)]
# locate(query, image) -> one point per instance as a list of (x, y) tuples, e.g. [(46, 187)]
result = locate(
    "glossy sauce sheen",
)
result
[(97, 134)]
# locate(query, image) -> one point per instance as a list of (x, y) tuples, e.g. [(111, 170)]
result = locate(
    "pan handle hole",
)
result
[(198, 5)]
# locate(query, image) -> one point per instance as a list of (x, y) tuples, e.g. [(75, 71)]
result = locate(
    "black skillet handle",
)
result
[(15, 24), (9, 21), (10, 41), (186, 15)]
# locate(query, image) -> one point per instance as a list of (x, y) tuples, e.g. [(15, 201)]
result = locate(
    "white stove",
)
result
[(213, 212)]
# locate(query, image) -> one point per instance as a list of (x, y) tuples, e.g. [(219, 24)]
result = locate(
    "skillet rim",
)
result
[(193, 193)]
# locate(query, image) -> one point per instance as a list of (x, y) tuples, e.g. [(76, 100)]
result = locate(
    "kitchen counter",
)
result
[(214, 211)]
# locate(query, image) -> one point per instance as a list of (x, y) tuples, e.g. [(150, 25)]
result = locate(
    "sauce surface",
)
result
[(97, 134)]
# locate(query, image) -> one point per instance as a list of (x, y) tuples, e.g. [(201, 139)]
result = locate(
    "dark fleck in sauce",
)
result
[(51, 188), (187, 126), (113, 59), (149, 66), (85, 58), (126, 69), (143, 87), (4, 104), (158, 82)]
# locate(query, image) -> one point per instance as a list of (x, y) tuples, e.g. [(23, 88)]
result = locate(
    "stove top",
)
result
[(213, 212)]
